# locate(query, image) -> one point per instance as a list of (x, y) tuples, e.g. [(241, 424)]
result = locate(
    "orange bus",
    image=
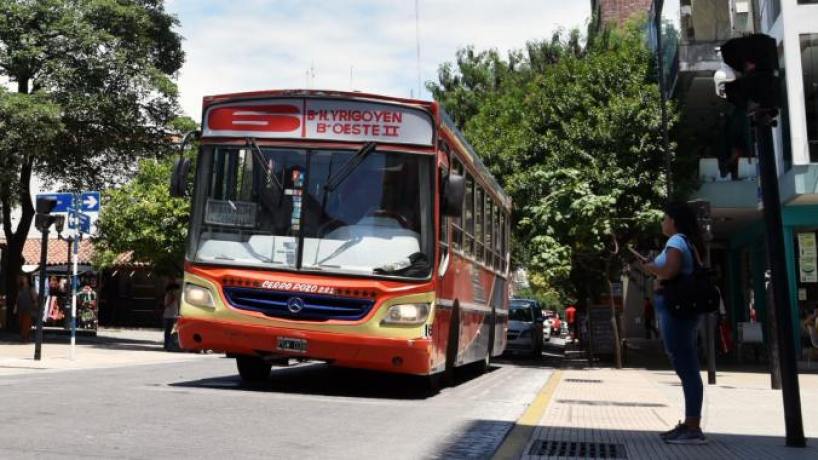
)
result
[(351, 228)]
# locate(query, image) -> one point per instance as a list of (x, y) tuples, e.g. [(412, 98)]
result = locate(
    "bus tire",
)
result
[(253, 369), (484, 365), (432, 384), (452, 345)]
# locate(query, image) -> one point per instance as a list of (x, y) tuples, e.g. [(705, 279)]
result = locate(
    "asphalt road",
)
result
[(199, 409)]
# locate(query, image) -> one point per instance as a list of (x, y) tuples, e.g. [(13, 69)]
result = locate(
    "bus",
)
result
[(355, 229)]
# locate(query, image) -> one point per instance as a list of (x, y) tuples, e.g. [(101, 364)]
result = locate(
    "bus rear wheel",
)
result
[(452, 346), (253, 369)]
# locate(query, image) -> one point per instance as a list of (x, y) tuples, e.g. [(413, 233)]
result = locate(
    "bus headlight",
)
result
[(407, 314), (199, 296)]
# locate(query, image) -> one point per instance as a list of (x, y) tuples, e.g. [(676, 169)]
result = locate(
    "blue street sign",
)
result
[(85, 222), (64, 200), (72, 218), (89, 202)]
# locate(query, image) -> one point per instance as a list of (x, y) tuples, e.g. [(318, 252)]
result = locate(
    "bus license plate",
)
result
[(294, 345)]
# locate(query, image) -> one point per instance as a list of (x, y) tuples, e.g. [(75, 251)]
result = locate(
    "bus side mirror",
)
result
[(178, 177), (181, 167), (453, 190)]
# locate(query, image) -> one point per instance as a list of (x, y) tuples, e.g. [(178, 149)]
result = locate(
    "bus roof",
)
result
[(354, 95)]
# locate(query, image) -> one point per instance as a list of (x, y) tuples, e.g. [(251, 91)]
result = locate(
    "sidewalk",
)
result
[(110, 348), (608, 413)]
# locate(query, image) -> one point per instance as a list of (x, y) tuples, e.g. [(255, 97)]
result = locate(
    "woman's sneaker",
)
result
[(686, 435), (671, 433)]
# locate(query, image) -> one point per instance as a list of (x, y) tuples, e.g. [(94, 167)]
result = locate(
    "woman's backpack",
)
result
[(689, 295)]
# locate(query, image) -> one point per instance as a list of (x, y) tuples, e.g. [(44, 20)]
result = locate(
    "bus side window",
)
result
[(487, 231), (505, 240), (457, 225), (479, 216), (468, 216), (443, 228), (497, 236)]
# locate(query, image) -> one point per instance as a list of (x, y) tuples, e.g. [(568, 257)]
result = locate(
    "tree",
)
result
[(96, 78), (576, 141), (142, 219)]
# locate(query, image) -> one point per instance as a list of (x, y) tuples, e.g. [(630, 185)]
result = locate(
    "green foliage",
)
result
[(29, 123), (108, 65), (96, 92), (142, 217), (577, 142)]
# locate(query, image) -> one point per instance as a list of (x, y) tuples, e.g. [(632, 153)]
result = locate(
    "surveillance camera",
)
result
[(723, 76)]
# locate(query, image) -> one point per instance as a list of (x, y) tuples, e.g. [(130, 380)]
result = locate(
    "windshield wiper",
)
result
[(258, 157), (342, 248), (347, 168), (268, 199)]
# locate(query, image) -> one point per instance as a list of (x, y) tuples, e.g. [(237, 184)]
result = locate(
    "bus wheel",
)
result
[(452, 345), (253, 368), (432, 384), (484, 365)]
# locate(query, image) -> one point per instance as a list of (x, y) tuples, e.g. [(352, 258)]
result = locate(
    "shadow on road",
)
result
[(316, 378)]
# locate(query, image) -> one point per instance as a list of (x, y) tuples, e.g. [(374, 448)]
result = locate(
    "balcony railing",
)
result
[(709, 170), (741, 192)]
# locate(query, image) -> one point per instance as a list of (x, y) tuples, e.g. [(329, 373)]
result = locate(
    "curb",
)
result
[(513, 445)]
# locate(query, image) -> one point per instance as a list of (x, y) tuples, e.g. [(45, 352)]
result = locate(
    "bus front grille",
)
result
[(294, 305)]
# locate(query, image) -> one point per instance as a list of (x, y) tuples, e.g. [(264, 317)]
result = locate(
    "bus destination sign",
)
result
[(321, 119)]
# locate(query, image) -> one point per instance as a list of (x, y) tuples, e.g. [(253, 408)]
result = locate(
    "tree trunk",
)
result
[(15, 240), (617, 346)]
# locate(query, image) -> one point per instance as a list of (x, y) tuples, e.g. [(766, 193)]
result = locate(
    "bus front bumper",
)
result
[(408, 356)]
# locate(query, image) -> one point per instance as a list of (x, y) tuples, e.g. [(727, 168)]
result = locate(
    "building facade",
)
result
[(618, 11), (719, 139)]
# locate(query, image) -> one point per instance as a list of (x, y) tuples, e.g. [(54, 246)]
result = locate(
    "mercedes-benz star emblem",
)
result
[(295, 304)]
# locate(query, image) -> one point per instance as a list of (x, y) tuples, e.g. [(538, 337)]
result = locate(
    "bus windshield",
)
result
[(273, 209)]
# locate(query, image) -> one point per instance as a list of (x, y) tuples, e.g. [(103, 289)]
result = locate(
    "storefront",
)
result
[(801, 234)]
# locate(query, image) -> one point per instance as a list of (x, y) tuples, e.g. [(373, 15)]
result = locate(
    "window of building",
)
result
[(809, 69), (786, 144), (770, 9)]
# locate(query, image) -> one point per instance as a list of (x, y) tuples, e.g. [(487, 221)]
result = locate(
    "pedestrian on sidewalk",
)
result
[(571, 318), (649, 317), (24, 308), (171, 312), (679, 332)]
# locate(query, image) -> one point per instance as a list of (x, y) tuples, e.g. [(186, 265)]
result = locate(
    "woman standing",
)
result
[(679, 332), (26, 304), (171, 312)]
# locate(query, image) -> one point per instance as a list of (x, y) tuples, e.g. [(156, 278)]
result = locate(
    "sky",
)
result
[(364, 45)]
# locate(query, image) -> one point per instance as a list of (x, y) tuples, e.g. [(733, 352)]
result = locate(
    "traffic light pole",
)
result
[(780, 311), (38, 335)]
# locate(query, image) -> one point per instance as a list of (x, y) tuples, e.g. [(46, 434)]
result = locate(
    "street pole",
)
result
[(74, 297), (38, 335), (772, 337), (660, 71), (710, 324), (780, 311)]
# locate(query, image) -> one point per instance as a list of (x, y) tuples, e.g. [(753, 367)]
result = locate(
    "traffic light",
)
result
[(751, 79), (43, 219)]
